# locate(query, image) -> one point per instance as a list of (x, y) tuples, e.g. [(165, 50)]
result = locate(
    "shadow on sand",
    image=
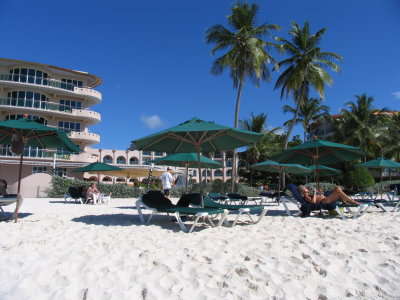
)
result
[(8, 216)]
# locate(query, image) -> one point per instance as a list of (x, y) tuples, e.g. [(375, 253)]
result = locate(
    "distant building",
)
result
[(62, 98)]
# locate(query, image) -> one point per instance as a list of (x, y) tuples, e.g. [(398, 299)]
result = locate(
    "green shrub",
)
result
[(376, 188), (60, 187), (324, 186), (359, 178)]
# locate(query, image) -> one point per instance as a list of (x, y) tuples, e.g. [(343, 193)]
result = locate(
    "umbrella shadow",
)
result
[(162, 221), (109, 220), (8, 216)]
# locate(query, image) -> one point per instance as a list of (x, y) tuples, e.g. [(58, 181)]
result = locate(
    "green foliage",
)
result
[(325, 186), (60, 187), (217, 186), (376, 188), (359, 178)]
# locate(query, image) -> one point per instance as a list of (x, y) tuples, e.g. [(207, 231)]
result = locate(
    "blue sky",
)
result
[(155, 64)]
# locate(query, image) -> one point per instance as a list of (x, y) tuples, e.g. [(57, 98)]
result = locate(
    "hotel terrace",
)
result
[(63, 98)]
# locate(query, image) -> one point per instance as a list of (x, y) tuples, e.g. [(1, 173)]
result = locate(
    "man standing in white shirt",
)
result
[(167, 182)]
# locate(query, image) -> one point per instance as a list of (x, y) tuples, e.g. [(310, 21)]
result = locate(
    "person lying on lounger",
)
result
[(335, 195)]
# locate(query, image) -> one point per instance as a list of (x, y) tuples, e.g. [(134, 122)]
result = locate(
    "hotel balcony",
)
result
[(48, 109), (88, 138), (50, 85)]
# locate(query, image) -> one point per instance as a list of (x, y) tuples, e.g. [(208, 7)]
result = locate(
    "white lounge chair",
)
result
[(152, 202)]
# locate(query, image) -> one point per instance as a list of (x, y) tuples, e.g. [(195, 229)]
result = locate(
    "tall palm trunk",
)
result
[(296, 114), (236, 125)]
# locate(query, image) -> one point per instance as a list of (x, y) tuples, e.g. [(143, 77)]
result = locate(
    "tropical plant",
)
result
[(266, 147), (391, 144), (310, 111), (305, 67), (246, 56), (362, 125)]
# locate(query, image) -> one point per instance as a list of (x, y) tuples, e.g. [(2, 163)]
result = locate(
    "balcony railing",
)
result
[(35, 152), (28, 103), (38, 80)]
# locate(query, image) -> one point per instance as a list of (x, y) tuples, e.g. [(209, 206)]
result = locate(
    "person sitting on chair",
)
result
[(94, 194), (335, 195), (3, 187)]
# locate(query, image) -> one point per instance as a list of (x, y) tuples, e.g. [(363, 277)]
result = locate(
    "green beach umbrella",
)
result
[(97, 167), (315, 152), (381, 163), (186, 160), (197, 136), (25, 132), (275, 167), (325, 170)]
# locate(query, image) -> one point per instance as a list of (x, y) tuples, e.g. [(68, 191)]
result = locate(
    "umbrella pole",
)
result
[(279, 185), (316, 170), (381, 182), (98, 177), (19, 186), (199, 170), (186, 177)]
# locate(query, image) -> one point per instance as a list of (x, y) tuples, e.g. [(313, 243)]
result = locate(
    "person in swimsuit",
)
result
[(335, 195)]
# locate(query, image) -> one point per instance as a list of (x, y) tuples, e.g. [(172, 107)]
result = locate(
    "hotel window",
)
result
[(204, 173), (229, 173), (39, 169), (217, 155), (147, 153), (146, 161), (69, 126), (69, 84), (229, 163), (30, 76), (218, 173), (62, 172), (121, 160), (107, 159), (27, 99), (158, 153), (107, 179), (35, 118), (69, 105), (194, 173), (133, 161)]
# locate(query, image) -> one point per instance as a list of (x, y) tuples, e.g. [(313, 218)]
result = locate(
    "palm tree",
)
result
[(362, 125), (310, 111), (246, 56), (267, 145), (305, 67), (392, 142)]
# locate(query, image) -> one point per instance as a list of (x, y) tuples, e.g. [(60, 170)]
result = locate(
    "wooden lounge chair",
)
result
[(240, 209), (158, 203)]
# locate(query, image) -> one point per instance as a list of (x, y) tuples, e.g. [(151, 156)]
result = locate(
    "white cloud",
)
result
[(152, 122), (396, 95)]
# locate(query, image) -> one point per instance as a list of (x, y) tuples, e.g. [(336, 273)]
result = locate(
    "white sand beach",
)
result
[(68, 251)]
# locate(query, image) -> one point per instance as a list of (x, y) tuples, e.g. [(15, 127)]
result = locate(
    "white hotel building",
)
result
[(63, 98)]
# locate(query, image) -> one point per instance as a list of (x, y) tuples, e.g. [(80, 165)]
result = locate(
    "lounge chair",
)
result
[(305, 207), (240, 209), (218, 197), (158, 203), (368, 197), (76, 193), (7, 200), (235, 198)]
